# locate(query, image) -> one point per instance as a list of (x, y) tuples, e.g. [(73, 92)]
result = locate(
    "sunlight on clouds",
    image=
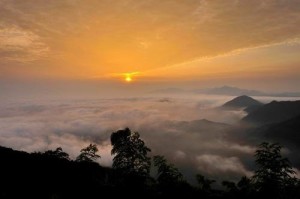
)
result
[(264, 60), (20, 45), (80, 39), (215, 163)]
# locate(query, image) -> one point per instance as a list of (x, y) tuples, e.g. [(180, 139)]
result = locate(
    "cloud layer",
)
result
[(175, 128)]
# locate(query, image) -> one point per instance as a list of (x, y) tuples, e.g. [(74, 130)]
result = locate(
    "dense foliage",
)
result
[(130, 153), (53, 174)]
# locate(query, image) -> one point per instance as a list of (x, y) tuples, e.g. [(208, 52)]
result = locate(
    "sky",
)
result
[(74, 71), (212, 42)]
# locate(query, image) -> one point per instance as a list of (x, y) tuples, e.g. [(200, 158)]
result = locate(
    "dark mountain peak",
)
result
[(274, 112), (242, 101)]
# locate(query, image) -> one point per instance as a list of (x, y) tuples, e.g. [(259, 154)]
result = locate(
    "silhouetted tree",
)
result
[(88, 154), (166, 173), (204, 183), (130, 152), (242, 189), (231, 190), (58, 153), (244, 183), (245, 188), (170, 180), (230, 186), (274, 173)]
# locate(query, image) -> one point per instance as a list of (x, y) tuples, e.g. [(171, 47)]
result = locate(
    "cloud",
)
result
[(214, 164), (20, 45)]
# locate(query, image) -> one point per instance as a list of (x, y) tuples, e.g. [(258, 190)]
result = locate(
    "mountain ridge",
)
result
[(225, 90), (273, 112)]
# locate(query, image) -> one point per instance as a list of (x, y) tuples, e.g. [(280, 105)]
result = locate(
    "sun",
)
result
[(128, 78)]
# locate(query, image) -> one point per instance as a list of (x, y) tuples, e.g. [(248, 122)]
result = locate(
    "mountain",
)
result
[(285, 132), (170, 91), (225, 90), (210, 128), (235, 91), (229, 90), (274, 112), (243, 101), (250, 109)]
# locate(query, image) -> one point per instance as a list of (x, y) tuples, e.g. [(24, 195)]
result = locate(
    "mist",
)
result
[(189, 129)]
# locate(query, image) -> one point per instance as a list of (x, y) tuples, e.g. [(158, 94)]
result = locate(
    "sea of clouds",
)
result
[(190, 131)]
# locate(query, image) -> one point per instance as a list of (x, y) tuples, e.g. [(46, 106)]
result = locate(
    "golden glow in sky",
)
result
[(164, 40)]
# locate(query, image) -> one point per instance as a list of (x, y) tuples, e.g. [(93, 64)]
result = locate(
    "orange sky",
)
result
[(157, 40)]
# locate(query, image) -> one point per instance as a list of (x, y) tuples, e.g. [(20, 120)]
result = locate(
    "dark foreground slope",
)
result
[(27, 175), (53, 175), (37, 175)]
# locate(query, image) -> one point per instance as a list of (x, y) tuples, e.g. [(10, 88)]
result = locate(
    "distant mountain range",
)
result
[(170, 91), (277, 122), (286, 133), (226, 90), (202, 125), (234, 91)]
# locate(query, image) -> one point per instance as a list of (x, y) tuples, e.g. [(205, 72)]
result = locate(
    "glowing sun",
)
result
[(128, 78)]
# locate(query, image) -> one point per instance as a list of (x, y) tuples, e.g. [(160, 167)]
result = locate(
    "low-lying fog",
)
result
[(177, 127)]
